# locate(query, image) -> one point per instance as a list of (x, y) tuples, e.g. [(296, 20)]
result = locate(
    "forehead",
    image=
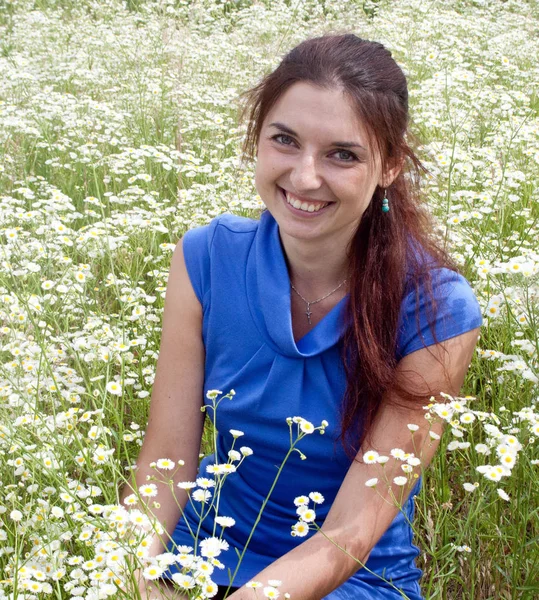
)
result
[(327, 114)]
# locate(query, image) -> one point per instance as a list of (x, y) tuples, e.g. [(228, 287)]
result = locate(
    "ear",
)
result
[(393, 168)]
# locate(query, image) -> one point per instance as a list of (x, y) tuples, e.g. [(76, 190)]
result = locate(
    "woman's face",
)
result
[(315, 171)]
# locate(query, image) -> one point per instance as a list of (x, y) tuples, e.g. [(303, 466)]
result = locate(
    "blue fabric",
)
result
[(239, 274)]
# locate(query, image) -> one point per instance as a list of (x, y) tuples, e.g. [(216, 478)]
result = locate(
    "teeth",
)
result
[(305, 206)]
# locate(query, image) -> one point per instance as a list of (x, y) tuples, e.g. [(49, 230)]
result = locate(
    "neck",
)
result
[(315, 268)]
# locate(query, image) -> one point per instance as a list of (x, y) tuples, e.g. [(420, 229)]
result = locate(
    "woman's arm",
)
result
[(359, 516), (175, 421)]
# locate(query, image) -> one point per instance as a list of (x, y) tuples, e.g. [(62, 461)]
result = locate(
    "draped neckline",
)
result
[(268, 285)]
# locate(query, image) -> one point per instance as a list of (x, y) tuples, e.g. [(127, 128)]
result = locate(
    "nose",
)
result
[(305, 175)]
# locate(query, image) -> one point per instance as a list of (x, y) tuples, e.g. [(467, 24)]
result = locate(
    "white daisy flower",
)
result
[(225, 521), (152, 572), (186, 582), (271, 592), (306, 427), (201, 495), (503, 495), (165, 463), (212, 547), (370, 457), (316, 497), (236, 433), (114, 388), (308, 515), (398, 454), (148, 490)]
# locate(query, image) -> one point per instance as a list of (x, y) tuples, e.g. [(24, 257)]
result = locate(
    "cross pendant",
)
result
[(308, 313)]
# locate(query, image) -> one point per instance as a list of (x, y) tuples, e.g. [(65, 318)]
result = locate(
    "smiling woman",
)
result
[(312, 173), (350, 313)]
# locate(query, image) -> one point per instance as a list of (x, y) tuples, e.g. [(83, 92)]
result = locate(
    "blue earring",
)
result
[(385, 203)]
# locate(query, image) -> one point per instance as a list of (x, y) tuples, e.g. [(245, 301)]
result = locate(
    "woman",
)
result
[(337, 305)]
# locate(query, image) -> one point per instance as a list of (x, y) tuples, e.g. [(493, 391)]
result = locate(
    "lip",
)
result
[(303, 213)]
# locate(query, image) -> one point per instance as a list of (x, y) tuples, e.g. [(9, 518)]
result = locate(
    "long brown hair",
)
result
[(387, 253)]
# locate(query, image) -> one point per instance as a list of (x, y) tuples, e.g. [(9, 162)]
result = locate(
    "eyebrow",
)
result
[(286, 129)]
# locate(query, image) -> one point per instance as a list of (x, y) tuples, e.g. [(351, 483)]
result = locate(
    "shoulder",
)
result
[(222, 225), (236, 224), (206, 247), (437, 305), (439, 284), (428, 280)]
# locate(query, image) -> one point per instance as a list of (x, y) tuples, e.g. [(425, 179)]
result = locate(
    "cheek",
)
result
[(262, 177), (366, 184), (261, 169), (267, 167), (257, 179)]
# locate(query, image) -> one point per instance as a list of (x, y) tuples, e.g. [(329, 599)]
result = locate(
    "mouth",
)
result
[(310, 207)]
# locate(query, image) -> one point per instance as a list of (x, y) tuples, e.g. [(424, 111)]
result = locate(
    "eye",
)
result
[(351, 156), (282, 136), (285, 140)]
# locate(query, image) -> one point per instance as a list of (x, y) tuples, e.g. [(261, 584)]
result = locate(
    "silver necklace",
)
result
[(309, 304)]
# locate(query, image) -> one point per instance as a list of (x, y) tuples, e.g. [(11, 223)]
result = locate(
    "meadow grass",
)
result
[(119, 131)]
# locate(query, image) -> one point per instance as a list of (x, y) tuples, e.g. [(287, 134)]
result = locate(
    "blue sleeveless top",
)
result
[(238, 272)]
